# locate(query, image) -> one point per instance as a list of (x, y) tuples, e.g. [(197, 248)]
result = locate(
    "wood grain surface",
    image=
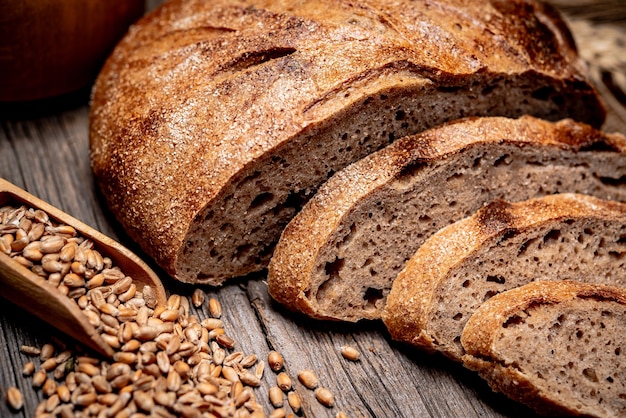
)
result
[(44, 149)]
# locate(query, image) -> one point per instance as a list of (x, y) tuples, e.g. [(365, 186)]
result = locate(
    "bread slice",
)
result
[(339, 256), (213, 121), (503, 246), (556, 346)]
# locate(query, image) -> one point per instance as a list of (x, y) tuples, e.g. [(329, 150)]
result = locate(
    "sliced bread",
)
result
[(339, 256), (212, 122), (500, 247), (556, 346)]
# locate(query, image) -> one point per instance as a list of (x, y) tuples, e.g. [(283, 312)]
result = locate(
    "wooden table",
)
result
[(44, 149)]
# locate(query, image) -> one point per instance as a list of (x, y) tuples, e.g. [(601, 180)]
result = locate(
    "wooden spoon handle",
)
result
[(35, 295)]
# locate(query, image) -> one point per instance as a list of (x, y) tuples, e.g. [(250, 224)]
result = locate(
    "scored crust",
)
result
[(503, 246), (575, 332), (213, 122), (339, 256)]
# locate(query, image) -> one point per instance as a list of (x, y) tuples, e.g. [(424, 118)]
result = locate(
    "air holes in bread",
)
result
[(408, 172), (505, 159), (254, 176), (333, 269), (489, 294), (454, 177), (554, 328), (242, 250), (261, 199), (292, 204), (348, 238), (552, 236), (514, 320), (611, 181), (496, 279), (590, 374), (371, 297), (201, 277), (508, 234), (543, 93), (527, 244)]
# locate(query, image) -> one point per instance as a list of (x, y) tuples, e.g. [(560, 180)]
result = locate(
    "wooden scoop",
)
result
[(34, 294)]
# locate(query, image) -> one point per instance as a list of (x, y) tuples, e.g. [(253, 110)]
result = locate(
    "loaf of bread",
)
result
[(555, 346), (501, 247), (212, 122), (340, 255)]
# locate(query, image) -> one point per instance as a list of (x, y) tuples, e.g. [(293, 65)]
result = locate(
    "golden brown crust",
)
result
[(199, 91), (295, 258), (411, 304), (482, 332)]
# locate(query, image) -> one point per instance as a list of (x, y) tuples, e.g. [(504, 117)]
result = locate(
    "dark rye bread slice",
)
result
[(556, 346), (339, 256), (500, 247), (212, 122)]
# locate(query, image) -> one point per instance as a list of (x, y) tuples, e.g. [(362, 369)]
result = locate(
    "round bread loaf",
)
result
[(212, 123)]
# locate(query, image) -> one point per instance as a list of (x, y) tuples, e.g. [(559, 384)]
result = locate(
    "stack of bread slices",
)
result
[(553, 343), (437, 164)]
